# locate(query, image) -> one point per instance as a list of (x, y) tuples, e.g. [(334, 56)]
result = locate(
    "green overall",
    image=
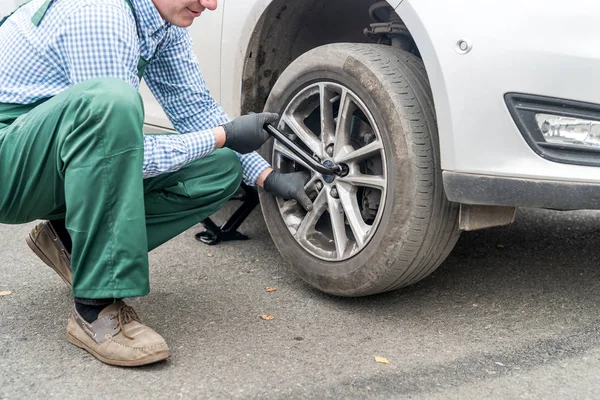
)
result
[(78, 156)]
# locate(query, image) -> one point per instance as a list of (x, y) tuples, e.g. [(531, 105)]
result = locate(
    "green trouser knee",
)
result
[(79, 156)]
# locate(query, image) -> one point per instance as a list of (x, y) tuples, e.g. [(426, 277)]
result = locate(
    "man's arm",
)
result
[(242, 135), (175, 79), (168, 153)]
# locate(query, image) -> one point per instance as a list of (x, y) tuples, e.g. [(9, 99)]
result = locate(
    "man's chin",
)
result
[(182, 22)]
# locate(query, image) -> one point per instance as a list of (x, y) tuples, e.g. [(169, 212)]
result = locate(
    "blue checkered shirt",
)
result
[(79, 40)]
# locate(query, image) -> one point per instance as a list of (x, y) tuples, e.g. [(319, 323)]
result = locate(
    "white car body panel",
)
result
[(549, 48), (240, 19)]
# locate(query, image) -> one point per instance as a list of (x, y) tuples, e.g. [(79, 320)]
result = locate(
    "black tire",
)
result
[(419, 226)]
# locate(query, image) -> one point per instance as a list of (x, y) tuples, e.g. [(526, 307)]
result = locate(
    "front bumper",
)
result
[(521, 192)]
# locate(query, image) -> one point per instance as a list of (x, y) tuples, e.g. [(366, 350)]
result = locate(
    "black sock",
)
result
[(90, 312), (63, 234)]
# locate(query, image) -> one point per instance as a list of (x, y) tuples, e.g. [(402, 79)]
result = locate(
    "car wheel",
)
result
[(387, 223)]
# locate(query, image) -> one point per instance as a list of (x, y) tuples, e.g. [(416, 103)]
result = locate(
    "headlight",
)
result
[(567, 130), (557, 129)]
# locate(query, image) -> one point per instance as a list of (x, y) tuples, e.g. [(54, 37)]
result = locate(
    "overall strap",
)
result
[(130, 6), (142, 62), (137, 28), (39, 14)]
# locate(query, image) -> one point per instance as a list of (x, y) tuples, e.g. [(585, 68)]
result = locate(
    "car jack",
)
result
[(214, 234)]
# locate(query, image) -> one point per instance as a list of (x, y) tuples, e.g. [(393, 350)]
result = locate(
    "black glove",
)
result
[(246, 134), (289, 186)]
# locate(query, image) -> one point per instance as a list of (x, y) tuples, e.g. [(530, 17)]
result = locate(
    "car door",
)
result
[(206, 36)]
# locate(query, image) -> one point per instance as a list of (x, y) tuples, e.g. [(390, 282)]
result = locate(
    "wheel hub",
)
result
[(328, 178)]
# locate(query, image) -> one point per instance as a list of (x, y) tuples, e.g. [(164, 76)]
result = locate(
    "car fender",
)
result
[(239, 26)]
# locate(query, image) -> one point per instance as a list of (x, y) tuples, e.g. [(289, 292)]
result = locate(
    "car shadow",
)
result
[(544, 253)]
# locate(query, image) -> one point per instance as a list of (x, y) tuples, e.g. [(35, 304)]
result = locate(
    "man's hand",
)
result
[(246, 134), (289, 186)]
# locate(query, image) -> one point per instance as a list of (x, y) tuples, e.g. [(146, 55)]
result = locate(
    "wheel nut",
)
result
[(334, 193), (329, 150), (319, 185)]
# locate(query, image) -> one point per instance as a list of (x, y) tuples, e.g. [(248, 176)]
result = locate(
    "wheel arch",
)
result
[(419, 30), (288, 28)]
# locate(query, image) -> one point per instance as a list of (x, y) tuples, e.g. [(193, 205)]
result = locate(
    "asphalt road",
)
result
[(513, 313)]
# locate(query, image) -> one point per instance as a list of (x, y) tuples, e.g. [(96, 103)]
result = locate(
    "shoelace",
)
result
[(125, 315)]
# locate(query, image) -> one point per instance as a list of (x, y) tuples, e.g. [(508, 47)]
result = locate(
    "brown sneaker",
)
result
[(117, 337), (46, 244)]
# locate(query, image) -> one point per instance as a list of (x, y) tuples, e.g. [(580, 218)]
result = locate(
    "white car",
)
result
[(448, 114)]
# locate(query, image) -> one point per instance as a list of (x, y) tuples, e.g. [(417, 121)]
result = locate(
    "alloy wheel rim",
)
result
[(333, 124)]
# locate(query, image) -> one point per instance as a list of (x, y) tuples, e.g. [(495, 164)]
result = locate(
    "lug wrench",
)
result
[(333, 169), (214, 234)]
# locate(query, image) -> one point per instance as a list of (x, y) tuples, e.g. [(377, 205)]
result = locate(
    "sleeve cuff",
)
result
[(199, 144), (252, 166)]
